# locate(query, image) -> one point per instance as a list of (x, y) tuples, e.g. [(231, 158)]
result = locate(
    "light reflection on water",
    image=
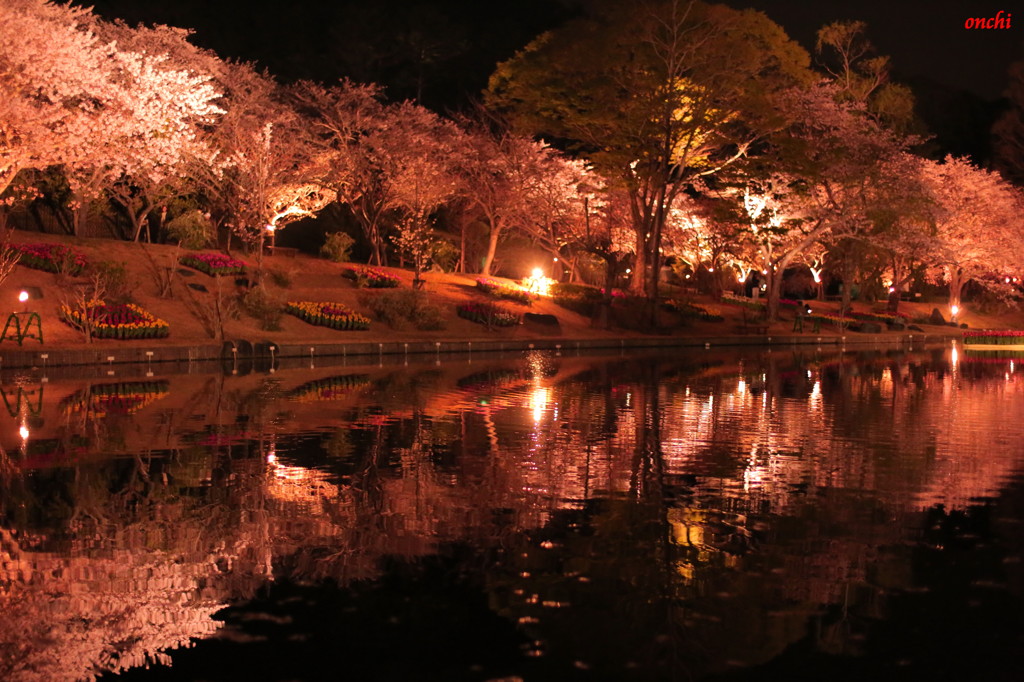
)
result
[(627, 518)]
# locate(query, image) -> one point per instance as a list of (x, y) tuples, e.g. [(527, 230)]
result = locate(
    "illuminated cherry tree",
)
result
[(157, 170), (268, 173), (501, 182), (423, 155), (815, 182), (55, 81), (346, 122), (96, 99), (979, 230)]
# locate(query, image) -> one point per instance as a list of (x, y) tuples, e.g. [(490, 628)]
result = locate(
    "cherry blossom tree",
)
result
[(268, 171), (812, 182), (93, 98), (560, 192), (979, 230), (347, 120), (157, 171), (424, 154), (55, 79), (500, 183)]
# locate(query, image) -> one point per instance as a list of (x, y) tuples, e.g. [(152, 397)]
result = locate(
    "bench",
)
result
[(282, 251), (753, 323)]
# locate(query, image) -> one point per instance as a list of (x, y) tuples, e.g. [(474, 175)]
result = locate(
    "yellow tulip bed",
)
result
[(114, 321), (331, 315)]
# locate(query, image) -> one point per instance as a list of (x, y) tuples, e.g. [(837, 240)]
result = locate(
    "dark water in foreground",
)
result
[(784, 515)]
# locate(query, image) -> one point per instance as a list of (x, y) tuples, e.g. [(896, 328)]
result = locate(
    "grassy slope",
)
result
[(316, 279)]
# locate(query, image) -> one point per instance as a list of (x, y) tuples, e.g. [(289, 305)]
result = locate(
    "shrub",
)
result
[(578, 298), (114, 277), (398, 309), (691, 310), (337, 246), (444, 255), (266, 309), (281, 278), (192, 229)]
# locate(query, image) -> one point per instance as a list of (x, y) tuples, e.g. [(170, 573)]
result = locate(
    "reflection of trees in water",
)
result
[(681, 518)]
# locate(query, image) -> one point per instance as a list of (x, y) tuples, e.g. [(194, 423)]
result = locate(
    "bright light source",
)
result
[(892, 289), (23, 296), (23, 431), (629, 270), (537, 283), (954, 309)]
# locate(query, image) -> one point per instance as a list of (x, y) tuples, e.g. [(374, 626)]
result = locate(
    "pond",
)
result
[(703, 515)]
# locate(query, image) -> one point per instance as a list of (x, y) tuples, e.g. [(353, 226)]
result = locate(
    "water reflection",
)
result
[(634, 518)]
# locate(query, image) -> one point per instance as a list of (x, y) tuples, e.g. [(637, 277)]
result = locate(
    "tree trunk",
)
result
[(774, 281), (492, 248)]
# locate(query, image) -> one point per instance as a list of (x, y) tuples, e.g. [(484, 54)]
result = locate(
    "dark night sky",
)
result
[(376, 39)]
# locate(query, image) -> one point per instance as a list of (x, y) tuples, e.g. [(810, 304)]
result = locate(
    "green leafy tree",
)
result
[(656, 96)]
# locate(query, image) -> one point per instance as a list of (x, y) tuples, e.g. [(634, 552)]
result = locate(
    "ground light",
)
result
[(537, 283)]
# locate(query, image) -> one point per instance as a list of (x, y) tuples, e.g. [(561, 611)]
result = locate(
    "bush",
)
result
[(578, 298), (266, 309), (337, 246), (192, 230), (687, 309), (444, 255), (398, 309), (281, 278), (114, 278)]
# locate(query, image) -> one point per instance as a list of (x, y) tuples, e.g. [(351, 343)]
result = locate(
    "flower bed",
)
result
[(50, 257), (687, 309), (995, 337), (501, 290), (884, 318), (373, 278), (213, 264), (328, 388), (125, 321), (331, 315), (120, 398), (488, 314), (759, 304)]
